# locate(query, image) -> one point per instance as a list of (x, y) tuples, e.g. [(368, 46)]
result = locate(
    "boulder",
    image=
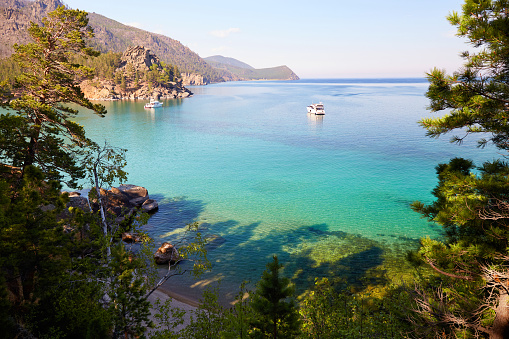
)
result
[(138, 201), (130, 237), (150, 205), (77, 201), (133, 191), (167, 253)]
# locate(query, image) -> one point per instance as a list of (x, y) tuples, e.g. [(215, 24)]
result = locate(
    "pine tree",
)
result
[(467, 295), (46, 136), (276, 315)]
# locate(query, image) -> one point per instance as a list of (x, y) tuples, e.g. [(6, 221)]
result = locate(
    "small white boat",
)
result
[(316, 109), (153, 104)]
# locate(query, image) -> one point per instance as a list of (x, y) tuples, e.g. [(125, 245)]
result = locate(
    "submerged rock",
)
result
[(130, 237), (149, 206)]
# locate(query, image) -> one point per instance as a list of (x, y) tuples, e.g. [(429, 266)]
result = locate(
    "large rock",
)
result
[(123, 200), (131, 237), (149, 206), (132, 191), (167, 253), (140, 58)]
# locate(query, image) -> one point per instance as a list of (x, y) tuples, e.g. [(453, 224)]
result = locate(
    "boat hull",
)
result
[(316, 109), (154, 104)]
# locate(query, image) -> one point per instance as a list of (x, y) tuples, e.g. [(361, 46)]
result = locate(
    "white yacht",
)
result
[(316, 109), (153, 104)]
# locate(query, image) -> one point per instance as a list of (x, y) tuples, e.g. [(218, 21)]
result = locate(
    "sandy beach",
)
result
[(177, 302)]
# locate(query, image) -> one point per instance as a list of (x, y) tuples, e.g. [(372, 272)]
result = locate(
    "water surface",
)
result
[(328, 194)]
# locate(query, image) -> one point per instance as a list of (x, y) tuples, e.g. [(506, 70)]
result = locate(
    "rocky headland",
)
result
[(137, 77)]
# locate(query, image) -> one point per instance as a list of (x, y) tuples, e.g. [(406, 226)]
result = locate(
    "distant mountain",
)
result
[(219, 61), (110, 35), (247, 72)]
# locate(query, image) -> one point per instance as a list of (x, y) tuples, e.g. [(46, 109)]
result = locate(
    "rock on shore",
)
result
[(108, 90)]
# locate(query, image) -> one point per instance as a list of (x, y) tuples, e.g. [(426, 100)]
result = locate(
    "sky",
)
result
[(315, 38)]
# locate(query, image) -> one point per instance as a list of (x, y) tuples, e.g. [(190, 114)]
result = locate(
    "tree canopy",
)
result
[(38, 129), (467, 295)]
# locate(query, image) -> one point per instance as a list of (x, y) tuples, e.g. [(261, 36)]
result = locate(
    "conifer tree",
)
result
[(468, 293), (276, 315), (40, 130)]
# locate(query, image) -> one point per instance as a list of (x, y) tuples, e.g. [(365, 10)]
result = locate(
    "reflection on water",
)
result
[(315, 120)]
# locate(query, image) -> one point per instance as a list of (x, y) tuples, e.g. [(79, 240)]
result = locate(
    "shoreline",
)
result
[(178, 297), (163, 296)]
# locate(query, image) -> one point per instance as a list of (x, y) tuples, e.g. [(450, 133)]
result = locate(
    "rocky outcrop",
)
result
[(135, 60), (140, 58), (131, 238), (15, 18), (107, 90), (192, 79), (167, 253), (124, 200)]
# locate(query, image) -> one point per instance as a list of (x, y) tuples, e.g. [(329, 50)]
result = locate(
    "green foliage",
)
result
[(129, 304), (70, 310), (48, 138), (9, 71), (208, 321), (464, 294), (168, 318), (211, 320), (477, 94), (7, 322), (239, 317), (330, 314), (276, 315)]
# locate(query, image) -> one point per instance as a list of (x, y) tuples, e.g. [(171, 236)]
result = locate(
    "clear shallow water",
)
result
[(329, 195)]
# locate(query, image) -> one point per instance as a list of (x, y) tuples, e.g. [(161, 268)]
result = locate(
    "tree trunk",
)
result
[(500, 328), (103, 215)]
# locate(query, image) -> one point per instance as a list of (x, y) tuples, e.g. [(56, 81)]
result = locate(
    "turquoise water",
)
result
[(329, 195)]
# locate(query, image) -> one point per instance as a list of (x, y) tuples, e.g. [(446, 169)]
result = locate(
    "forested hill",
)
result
[(113, 36), (247, 72), (110, 35)]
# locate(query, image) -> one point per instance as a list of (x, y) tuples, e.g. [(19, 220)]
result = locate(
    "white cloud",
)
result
[(224, 33)]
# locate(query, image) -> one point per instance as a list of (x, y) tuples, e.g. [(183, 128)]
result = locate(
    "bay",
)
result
[(328, 194)]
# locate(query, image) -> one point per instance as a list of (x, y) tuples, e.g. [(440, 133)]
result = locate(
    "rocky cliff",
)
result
[(15, 17), (192, 79), (140, 58), (110, 35), (137, 59)]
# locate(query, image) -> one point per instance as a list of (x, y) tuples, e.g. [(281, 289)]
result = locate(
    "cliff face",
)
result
[(110, 35), (140, 58), (192, 79), (15, 17)]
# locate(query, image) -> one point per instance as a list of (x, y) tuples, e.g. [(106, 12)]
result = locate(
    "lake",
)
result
[(328, 194)]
